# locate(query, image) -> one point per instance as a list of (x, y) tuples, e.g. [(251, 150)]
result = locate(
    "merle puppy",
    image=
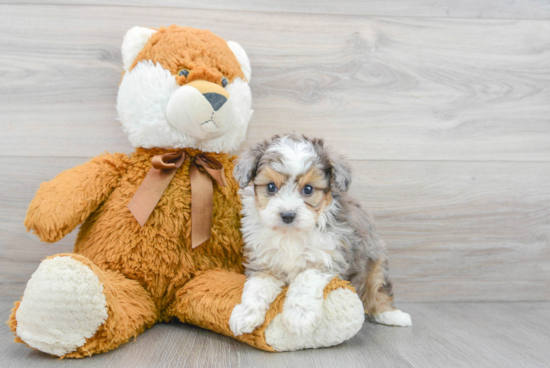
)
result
[(301, 229)]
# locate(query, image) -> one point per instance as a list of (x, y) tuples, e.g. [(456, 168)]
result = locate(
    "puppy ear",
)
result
[(134, 41), (247, 164), (335, 165), (341, 172)]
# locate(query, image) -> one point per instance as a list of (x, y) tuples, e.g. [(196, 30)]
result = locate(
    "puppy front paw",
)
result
[(302, 319), (245, 319)]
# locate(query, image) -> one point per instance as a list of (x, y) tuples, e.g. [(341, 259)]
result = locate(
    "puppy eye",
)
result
[(271, 188), (183, 72), (308, 190), (225, 82)]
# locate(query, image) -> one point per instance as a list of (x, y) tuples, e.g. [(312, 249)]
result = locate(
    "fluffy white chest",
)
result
[(287, 254)]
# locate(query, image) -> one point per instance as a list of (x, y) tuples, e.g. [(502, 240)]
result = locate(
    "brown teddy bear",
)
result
[(160, 228)]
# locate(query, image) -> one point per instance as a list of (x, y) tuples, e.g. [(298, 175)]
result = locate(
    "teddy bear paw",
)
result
[(245, 319), (342, 317), (63, 305), (302, 319)]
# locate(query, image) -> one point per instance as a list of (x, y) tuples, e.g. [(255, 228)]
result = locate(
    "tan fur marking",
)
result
[(205, 55), (320, 198), (265, 176), (313, 177), (374, 299), (208, 87), (268, 175), (327, 199)]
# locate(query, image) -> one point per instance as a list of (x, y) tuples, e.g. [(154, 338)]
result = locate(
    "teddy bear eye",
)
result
[(225, 82), (183, 72), (308, 190)]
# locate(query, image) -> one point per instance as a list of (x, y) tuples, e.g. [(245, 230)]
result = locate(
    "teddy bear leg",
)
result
[(72, 308), (208, 300), (343, 317)]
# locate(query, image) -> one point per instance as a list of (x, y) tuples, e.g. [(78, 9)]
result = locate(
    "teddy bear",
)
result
[(159, 230)]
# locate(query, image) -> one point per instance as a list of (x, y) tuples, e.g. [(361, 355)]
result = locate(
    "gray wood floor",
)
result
[(442, 106), (444, 335)]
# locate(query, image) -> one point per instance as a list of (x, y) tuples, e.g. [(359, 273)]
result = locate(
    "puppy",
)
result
[(302, 229)]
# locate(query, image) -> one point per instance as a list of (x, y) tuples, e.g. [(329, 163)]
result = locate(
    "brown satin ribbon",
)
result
[(202, 170)]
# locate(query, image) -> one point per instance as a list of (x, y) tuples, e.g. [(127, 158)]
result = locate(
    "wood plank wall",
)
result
[(443, 107)]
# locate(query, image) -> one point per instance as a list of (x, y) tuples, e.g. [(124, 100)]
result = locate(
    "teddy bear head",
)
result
[(184, 87)]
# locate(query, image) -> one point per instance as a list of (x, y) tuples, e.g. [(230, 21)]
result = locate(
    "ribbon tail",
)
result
[(202, 206), (154, 184), (213, 167), (149, 193)]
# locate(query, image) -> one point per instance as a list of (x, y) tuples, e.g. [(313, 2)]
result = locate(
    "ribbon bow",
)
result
[(202, 170)]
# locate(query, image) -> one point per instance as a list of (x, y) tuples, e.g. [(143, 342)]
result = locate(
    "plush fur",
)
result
[(123, 278), (148, 265), (134, 41), (302, 229), (342, 318), (151, 89), (47, 313)]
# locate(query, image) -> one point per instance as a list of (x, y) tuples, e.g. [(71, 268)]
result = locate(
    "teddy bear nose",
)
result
[(215, 99)]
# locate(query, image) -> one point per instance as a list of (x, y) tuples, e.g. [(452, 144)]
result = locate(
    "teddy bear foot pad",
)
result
[(63, 305), (343, 317)]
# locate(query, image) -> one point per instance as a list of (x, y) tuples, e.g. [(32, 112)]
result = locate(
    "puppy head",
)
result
[(295, 179)]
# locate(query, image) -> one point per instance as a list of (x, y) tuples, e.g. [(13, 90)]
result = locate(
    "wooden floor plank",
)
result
[(385, 88), (461, 231), (443, 335), (484, 9)]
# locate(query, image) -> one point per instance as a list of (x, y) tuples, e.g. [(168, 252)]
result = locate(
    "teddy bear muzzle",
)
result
[(200, 109)]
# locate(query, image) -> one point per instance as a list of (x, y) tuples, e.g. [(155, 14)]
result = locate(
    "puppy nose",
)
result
[(215, 99), (288, 217)]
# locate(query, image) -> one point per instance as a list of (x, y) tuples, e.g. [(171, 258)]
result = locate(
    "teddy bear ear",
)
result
[(134, 41), (242, 57)]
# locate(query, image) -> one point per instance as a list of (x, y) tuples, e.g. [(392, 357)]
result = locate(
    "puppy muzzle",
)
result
[(199, 109)]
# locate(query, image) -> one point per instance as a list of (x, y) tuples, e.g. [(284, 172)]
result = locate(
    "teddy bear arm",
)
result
[(63, 203)]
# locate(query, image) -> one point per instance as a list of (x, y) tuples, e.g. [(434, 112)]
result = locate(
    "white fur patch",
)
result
[(342, 318), (134, 41), (143, 97), (242, 57), (63, 305), (260, 290), (394, 318), (290, 252), (297, 156), (303, 307)]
